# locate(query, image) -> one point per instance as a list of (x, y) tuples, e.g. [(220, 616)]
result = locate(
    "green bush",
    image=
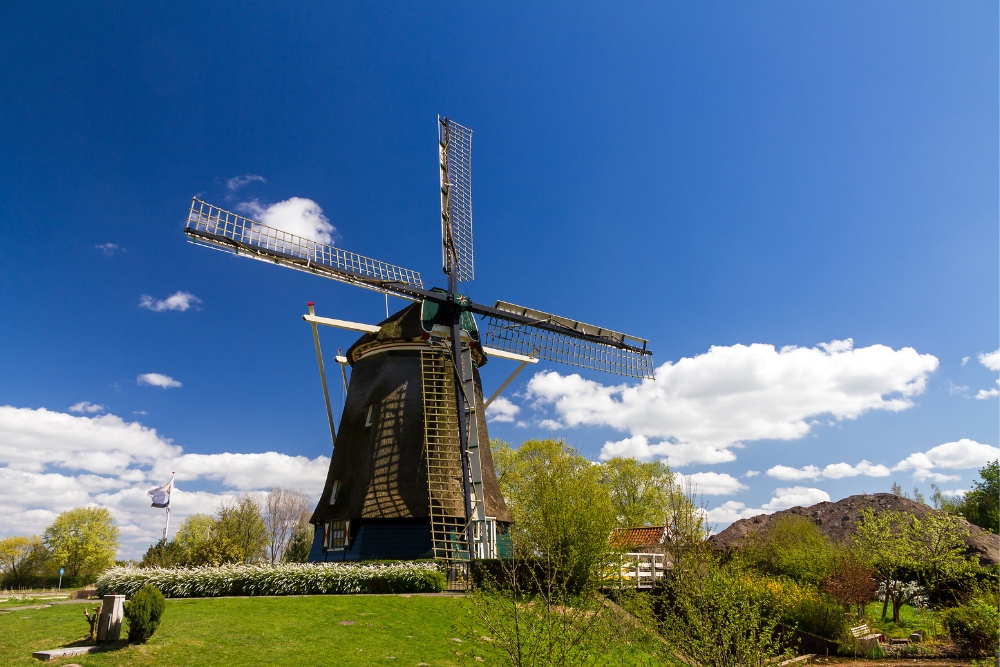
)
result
[(282, 579), (976, 622), (143, 613)]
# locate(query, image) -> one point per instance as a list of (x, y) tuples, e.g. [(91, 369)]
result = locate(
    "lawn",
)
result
[(310, 630), (910, 620)]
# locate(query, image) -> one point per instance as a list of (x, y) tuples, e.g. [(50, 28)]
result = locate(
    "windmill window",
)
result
[(337, 534), (335, 491), (370, 415)]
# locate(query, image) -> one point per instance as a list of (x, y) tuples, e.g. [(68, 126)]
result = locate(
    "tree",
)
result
[(300, 544), (982, 504), (284, 511), (883, 542), (851, 582), (193, 532), (938, 546), (792, 546), (640, 492), (164, 554), (240, 523), (84, 540), (563, 513), (20, 558)]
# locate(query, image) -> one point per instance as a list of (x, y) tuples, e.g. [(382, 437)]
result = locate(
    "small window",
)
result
[(369, 415), (337, 534), (335, 491)]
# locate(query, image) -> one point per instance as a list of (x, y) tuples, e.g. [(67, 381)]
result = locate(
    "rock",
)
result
[(980, 543)]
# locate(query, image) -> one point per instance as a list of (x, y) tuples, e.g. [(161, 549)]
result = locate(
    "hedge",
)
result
[(283, 579)]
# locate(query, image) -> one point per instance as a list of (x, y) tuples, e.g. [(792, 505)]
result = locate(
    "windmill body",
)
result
[(412, 474)]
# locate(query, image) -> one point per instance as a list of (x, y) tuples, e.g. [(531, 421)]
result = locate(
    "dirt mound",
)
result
[(839, 519)]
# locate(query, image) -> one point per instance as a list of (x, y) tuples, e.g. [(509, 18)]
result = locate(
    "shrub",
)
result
[(976, 622), (282, 579), (143, 613)]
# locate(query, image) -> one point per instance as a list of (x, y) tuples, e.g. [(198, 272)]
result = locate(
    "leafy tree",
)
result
[(20, 558), (284, 511), (194, 531), (851, 582), (241, 524), (883, 542), (216, 551), (938, 546), (164, 554), (563, 513), (84, 540), (300, 544), (982, 504), (640, 492), (945, 503), (792, 546)]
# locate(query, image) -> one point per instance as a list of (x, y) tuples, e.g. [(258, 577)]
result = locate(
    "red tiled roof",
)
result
[(648, 536)]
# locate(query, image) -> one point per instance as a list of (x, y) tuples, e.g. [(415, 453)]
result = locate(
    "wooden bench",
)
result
[(864, 633)]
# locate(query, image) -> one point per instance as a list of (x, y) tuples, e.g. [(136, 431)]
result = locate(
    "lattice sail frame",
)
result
[(456, 199), (567, 348), (214, 227)]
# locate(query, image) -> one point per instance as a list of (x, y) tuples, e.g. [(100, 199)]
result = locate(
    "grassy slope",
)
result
[(257, 631), (910, 620)]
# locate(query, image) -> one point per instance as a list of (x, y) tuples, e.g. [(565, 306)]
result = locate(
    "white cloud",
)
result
[(550, 425), (990, 359), (177, 301), (987, 393), (86, 406), (751, 473), (954, 493), (960, 455), (502, 410), (677, 455), (712, 483), (299, 216), (158, 380), (107, 248), (782, 499), (238, 182), (965, 360), (832, 471), (714, 401), (52, 461)]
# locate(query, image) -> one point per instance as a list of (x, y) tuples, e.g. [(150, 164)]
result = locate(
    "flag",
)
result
[(161, 494)]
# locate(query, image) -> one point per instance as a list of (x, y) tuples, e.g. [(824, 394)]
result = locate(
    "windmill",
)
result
[(411, 474)]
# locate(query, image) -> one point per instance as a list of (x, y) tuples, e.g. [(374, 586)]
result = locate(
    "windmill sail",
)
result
[(455, 147), (214, 227), (524, 330)]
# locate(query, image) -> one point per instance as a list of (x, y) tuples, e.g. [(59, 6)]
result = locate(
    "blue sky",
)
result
[(709, 176)]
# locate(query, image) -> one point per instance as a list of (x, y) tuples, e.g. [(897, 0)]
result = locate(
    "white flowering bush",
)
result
[(906, 592), (283, 579)]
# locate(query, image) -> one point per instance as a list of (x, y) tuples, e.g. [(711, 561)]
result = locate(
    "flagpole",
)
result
[(166, 527)]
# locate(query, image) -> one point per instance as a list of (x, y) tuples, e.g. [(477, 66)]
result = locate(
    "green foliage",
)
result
[(562, 511), (143, 613), (982, 504), (975, 621), (640, 492), (194, 531), (299, 545), (283, 579), (720, 615), (794, 547), (164, 554), (216, 551), (83, 539), (938, 548), (242, 525), (21, 559)]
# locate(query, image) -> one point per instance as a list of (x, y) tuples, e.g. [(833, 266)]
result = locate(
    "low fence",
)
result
[(641, 570)]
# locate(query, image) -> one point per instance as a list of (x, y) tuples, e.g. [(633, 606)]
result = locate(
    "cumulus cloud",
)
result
[(832, 471), (158, 380), (728, 395), (959, 455), (677, 454), (712, 483), (107, 248), (86, 407), (502, 410), (177, 301), (52, 461), (783, 498), (990, 359), (237, 182), (988, 393), (298, 216), (751, 473), (550, 424)]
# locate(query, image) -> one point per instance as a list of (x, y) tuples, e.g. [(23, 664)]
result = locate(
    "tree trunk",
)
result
[(885, 600), (897, 602)]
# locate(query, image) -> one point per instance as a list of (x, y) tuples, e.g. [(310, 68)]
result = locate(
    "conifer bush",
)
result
[(143, 613)]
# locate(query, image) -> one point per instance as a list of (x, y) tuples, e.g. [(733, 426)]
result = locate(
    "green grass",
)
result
[(389, 629), (910, 620)]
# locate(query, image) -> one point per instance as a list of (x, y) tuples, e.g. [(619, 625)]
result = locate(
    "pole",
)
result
[(61, 570), (322, 374)]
